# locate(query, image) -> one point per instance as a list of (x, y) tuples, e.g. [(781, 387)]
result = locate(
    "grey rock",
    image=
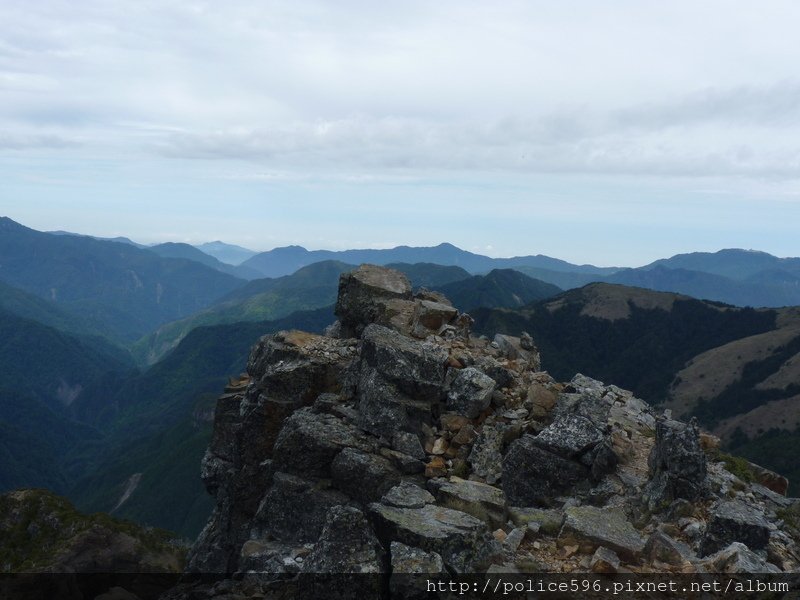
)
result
[(486, 456), (480, 500), (677, 465), (408, 443), (279, 514), (549, 521), (430, 316), (363, 476), (411, 568), (406, 559), (415, 368), (463, 541), (569, 436), (384, 409), (346, 545), (734, 521), (591, 527), (738, 558), (403, 462), (663, 548), (514, 539), (532, 476), (407, 495), (309, 442), (470, 393), (604, 560), (364, 295)]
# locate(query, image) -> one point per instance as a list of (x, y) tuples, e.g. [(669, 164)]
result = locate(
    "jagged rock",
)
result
[(430, 316), (403, 462), (486, 456), (366, 295), (279, 514), (513, 540), (734, 521), (310, 441), (363, 476), (569, 436), (406, 559), (738, 558), (463, 541), (663, 548), (532, 476), (549, 521), (416, 368), (480, 500), (591, 527), (407, 564), (511, 347), (677, 465), (346, 545), (408, 443), (407, 495), (604, 560), (287, 370), (470, 393)]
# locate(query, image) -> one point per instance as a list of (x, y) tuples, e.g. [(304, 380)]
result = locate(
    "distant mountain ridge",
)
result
[(227, 253), (118, 287), (286, 260)]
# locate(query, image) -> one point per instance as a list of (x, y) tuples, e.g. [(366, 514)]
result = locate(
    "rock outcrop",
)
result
[(400, 443)]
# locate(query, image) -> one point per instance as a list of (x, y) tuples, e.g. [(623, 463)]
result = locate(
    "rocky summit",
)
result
[(399, 442)]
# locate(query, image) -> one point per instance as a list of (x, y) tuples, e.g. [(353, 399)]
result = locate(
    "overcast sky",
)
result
[(605, 132)]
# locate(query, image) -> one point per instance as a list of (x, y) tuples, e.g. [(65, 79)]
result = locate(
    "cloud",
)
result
[(377, 90)]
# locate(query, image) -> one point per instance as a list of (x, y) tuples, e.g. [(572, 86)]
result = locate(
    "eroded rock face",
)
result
[(418, 447), (677, 464)]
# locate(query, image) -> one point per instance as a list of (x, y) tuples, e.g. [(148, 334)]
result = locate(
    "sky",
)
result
[(613, 133)]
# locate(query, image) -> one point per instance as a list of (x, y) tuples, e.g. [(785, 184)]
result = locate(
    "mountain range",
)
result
[(113, 353)]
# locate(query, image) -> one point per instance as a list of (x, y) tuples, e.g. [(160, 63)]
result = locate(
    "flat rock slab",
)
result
[(734, 521), (591, 527), (463, 541), (480, 500)]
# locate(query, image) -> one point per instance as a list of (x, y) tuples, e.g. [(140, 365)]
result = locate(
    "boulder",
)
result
[(407, 495), (486, 457), (663, 548), (463, 542), (366, 294), (470, 393), (480, 500), (384, 410), (363, 476), (677, 465), (734, 521), (570, 436), (410, 570), (278, 514), (309, 441), (415, 368), (346, 545), (533, 476), (408, 443), (430, 316), (590, 527), (604, 560), (738, 558)]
